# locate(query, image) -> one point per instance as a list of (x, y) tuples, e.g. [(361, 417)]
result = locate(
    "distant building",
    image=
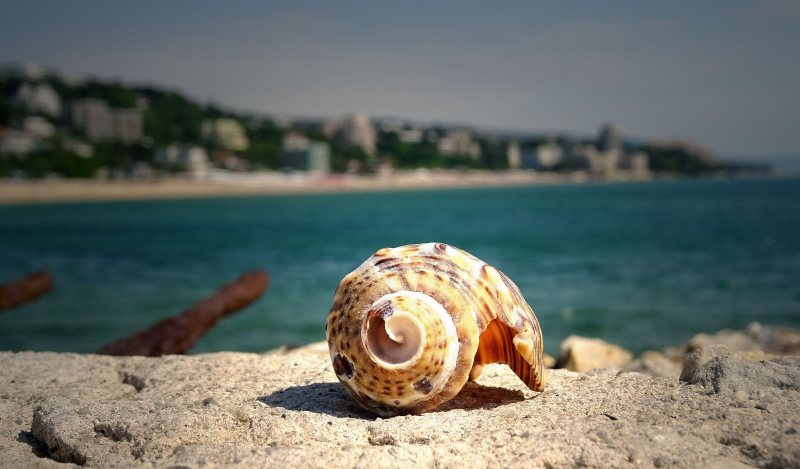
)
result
[(40, 98), (578, 156), (192, 159), (16, 142), (38, 127), (354, 129), (411, 135), (459, 143), (608, 159), (93, 116), (549, 155), (226, 133), (101, 123), (638, 164), (195, 161), (514, 155), (609, 138), (82, 149), (126, 125), (392, 125), (302, 154)]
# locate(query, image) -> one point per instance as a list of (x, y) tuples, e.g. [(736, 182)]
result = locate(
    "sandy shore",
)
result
[(222, 184)]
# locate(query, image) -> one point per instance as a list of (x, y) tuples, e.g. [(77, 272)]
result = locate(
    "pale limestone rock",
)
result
[(656, 364), (714, 367), (583, 354), (286, 409)]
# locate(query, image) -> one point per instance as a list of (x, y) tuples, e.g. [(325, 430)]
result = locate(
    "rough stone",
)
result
[(286, 409), (713, 367), (755, 339), (656, 364), (583, 354)]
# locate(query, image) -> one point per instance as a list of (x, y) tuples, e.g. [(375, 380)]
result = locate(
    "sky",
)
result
[(725, 74)]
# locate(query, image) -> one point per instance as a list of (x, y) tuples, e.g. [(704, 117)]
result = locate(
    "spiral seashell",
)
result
[(412, 324)]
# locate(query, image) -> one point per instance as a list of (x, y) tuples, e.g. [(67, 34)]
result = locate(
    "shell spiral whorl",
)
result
[(411, 324)]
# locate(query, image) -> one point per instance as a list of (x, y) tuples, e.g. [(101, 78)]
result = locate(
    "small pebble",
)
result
[(740, 396)]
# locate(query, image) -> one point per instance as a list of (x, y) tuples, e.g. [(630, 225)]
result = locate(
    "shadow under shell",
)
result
[(333, 400)]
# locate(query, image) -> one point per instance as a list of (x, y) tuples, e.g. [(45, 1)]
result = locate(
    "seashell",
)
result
[(412, 324)]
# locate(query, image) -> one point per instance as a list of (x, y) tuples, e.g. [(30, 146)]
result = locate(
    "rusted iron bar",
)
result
[(177, 334), (28, 288)]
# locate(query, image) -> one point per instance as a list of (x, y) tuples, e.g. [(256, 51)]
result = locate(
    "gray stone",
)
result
[(714, 368), (655, 364)]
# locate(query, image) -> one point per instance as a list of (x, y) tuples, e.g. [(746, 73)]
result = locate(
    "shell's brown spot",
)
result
[(423, 386), (383, 261), (441, 246), (342, 366), (383, 310), (396, 402)]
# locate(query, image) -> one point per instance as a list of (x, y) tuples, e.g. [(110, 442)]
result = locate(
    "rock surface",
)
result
[(584, 354), (286, 409)]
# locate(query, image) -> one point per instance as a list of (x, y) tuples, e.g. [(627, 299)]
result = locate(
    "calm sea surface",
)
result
[(642, 265)]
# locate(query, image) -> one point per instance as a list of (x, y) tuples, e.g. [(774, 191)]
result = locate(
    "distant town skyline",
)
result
[(723, 74)]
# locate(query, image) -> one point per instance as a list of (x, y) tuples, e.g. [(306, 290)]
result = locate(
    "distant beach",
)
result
[(262, 183)]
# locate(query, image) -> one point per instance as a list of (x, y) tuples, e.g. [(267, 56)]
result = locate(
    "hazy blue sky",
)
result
[(723, 73)]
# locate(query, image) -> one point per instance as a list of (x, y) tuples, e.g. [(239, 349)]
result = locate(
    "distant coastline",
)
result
[(262, 183), (14, 192)]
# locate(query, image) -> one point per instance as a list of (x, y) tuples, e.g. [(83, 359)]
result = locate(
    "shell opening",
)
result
[(394, 340)]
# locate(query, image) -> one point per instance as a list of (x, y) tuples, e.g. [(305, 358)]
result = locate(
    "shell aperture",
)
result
[(412, 324)]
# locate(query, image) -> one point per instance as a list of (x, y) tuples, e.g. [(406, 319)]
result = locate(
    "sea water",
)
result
[(643, 265)]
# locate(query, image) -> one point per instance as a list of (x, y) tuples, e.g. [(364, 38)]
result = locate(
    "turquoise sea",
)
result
[(642, 265)]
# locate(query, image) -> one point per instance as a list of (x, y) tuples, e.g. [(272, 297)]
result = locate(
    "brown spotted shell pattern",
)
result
[(412, 324)]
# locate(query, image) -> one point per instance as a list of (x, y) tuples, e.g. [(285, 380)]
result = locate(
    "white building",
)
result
[(192, 159), (513, 155), (354, 129), (38, 127), (127, 126), (40, 98), (195, 161), (16, 142), (549, 155), (226, 133), (459, 143), (93, 116), (411, 135), (82, 149)]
